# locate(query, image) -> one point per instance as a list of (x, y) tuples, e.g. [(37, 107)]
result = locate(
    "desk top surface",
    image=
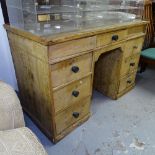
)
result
[(59, 38)]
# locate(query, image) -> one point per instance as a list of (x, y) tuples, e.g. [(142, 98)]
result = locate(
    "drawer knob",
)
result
[(132, 64), (135, 47), (115, 37), (129, 81), (75, 69), (76, 114), (75, 93)]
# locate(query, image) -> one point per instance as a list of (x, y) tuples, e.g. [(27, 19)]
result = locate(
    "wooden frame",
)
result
[(149, 38), (147, 15)]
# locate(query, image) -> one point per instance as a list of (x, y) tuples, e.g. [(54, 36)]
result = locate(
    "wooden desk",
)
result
[(55, 73)]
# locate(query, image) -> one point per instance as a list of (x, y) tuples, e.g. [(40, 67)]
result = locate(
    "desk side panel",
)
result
[(33, 76)]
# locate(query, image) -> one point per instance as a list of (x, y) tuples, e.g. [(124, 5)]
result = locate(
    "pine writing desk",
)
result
[(56, 74)]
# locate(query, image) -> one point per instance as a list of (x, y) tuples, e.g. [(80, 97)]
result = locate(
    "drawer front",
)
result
[(72, 69), (71, 47), (136, 30), (133, 47), (129, 65), (138, 45), (72, 93), (125, 66), (70, 116), (134, 64), (109, 38), (126, 82)]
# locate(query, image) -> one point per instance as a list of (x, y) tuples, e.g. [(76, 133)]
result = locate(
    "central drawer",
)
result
[(107, 38), (71, 69), (72, 93), (72, 115)]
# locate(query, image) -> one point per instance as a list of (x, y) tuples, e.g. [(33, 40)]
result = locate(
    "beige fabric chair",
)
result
[(20, 141), (11, 114), (16, 139)]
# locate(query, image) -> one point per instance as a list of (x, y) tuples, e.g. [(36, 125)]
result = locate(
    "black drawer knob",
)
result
[(76, 114), (135, 47), (132, 64), (129, 81), (75, 93), (75, 69), (115, 37)]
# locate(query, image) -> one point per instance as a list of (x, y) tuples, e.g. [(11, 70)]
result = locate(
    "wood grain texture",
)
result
[(50, 68), (136, 30), (106, 38), (114, 65), (129, 65), (133, 46), (107, 72), (71, 128), (125, 91), (135, 61), (126, 82), (148, 15), (63, 98), (65, 49), (32, 71), (59, 38), (66, 119), (64, 69)]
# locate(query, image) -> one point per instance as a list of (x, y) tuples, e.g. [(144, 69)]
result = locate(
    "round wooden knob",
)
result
[(76, 114), (135, 47), (75, 69), (132, 64), (129, 81), (75, 93), (115, 37)]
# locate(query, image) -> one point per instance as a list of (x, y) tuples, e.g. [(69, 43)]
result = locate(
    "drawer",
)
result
[(134, 64), (108, 38), (136, 30), (70, 116), (133, 46), (66, 49), (129, 65), (138, 43), (126, 82), (72, 93), (71, 69)]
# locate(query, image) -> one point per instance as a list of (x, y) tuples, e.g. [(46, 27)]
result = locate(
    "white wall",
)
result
[(7, 72)]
